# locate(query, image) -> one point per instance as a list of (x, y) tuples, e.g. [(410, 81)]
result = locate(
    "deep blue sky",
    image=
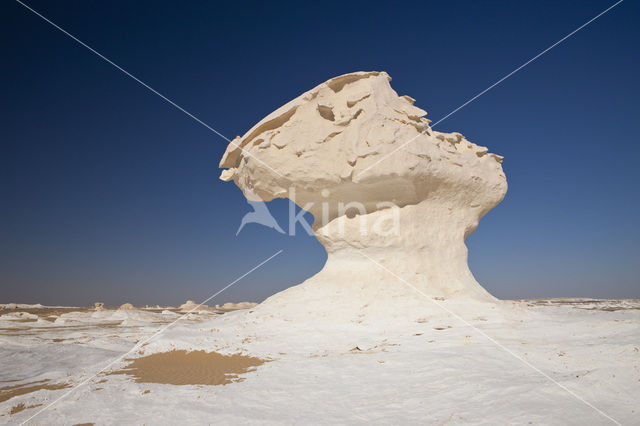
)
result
[(109, 193)]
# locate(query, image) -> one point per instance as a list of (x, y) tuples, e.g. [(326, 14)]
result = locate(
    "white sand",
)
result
[(434, 370)]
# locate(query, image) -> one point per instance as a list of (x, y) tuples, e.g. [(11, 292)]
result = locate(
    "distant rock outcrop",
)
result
[(229, 306), (190, 305), (127, 306), (393, 200)]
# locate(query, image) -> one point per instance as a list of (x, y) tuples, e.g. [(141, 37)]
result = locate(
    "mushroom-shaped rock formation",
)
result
[(392, 199)]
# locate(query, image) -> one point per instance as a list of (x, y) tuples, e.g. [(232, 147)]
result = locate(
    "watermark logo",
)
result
[(385, 223), (260, 215)]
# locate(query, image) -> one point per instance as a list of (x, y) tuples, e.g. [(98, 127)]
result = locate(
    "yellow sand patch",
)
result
[(190, 368), (21, 407), (9, 392)]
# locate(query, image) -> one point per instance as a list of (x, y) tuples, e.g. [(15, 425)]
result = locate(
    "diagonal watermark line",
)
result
[(128, 74), (148, 339), (492, 340), (493, 85)]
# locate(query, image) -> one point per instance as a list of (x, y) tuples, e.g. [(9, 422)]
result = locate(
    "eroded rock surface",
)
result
[(382, 185)]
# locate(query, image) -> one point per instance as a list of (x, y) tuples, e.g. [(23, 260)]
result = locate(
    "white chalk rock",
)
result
[(393, 200), (18, 316), (190, 305)]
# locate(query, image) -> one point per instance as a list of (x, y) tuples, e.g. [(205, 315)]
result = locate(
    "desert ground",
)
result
[(211, 367)]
